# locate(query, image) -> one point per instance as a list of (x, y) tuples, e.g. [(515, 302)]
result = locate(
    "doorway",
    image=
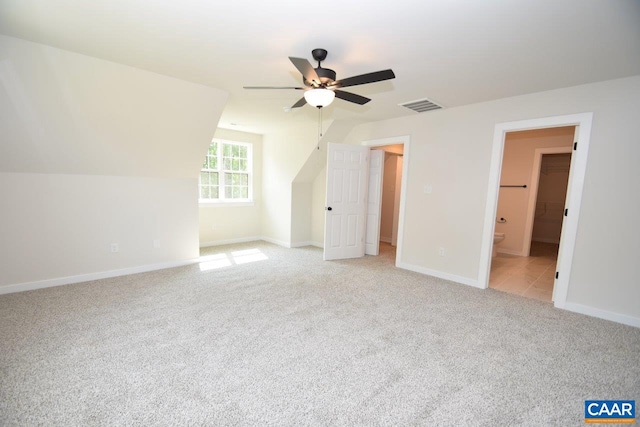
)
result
[(532, 194), (387, 232), (390, 194), (350, 219), (580, 149)]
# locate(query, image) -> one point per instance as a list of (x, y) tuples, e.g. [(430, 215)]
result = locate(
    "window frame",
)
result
[(222, 200)]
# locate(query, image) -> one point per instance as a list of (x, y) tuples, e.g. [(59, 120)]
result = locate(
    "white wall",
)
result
[(451, 150), (63, 112), (223, 223), (291, 163), (517, 169), (284, 154), (95, 153), (57, 226), (301, 213)]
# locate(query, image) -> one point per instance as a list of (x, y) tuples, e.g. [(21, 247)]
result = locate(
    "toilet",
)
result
[(497, 238)]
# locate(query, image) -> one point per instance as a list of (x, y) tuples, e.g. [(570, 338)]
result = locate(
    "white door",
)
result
[(374, 203), (346, 202), (576, 132)]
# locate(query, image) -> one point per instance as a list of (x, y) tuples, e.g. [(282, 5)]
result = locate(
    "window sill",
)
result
[(220, 204)]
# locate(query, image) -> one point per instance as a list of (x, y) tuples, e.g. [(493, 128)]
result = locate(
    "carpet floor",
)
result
[(262, 335)]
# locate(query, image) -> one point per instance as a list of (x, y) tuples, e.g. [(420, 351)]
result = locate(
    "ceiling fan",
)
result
[(321, 86)]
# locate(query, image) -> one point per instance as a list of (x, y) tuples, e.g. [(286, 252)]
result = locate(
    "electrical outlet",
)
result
[(428, 189), (442, 252), (114, 248), (156, 243)]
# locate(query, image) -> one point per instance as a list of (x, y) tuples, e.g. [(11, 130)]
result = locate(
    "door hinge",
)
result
[(566, 212), (557, 274), (575, 146)]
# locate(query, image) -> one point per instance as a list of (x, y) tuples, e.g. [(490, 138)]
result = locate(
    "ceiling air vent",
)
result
[(421, 105)]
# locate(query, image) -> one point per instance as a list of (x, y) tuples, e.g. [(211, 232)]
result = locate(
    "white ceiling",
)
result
[(452, 52)]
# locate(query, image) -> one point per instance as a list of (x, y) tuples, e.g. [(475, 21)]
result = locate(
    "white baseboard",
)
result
[(266, 239), (276, 242), (509, 252), (299, 244), (458, 279), (229, 242), (602, 314), (60, 281), (308, 243)]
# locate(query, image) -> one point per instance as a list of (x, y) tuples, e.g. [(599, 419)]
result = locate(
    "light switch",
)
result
[(428, 189)]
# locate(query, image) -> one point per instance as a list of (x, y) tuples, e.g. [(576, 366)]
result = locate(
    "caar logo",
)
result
[(610, 411)]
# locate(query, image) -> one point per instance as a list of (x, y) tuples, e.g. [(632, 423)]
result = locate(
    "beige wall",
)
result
[(517, 169), (388, 197), (451, 150), (224, 223), (95, 153)]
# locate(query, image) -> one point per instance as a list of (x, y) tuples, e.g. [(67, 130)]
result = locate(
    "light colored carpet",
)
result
[(293, 340)]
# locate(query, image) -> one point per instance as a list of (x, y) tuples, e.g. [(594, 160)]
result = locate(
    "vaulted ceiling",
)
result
[(452, 52)]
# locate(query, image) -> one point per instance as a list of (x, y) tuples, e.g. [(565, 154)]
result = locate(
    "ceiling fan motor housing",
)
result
[(326, 76)]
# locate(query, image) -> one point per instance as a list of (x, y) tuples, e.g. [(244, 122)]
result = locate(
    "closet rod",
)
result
[(518, 186)]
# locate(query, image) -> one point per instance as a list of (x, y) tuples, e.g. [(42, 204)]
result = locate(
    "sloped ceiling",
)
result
[(66, 113), (452, 52)]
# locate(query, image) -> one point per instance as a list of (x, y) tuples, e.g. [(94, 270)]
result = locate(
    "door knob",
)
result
[(329, 208)]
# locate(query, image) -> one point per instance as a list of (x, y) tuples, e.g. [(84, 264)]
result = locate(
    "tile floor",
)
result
[(530, 276)]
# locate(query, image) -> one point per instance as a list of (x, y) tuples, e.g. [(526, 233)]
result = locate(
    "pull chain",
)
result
[(319, 127)]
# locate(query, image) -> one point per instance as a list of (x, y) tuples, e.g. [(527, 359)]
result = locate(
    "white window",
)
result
[(226, 172)]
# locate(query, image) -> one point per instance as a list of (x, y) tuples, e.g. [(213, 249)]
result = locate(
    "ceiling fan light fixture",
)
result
[(319, 97)]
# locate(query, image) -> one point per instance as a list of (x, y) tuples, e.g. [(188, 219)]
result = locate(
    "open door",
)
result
[(576, 134), (346, 202), (374, 202)]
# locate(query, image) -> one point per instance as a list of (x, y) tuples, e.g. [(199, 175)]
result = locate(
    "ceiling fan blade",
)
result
[(300, 103), (376, 76), (306, 70), (272, 87), (351, 97)]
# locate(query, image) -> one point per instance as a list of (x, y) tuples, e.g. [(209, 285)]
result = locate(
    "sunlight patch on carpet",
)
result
[(249, 255), (214, 262)]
